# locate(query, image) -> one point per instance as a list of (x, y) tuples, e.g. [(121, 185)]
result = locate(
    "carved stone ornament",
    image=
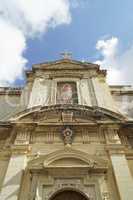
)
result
[(67, 134), (68, 113), (106, 196)]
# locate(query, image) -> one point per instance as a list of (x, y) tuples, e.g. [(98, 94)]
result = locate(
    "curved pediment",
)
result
[(68, 158), (67, 114)]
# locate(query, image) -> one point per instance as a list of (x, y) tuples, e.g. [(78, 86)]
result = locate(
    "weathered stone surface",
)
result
[(85, 147)]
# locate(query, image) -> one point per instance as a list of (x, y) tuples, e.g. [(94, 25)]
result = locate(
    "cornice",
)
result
[(5, 154), (10, 91), (20, 149), (66, 64), (67, 115), (62, 61), (5, 124), (94, 110), (115, 149), (126, 92)]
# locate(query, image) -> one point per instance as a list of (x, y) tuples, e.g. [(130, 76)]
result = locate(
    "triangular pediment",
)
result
[(66, 64)]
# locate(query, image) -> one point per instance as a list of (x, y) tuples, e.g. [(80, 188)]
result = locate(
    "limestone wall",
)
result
[(103, 95), (3, 168), (40, 93)]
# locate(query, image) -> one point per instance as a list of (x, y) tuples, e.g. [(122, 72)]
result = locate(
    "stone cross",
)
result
[(66, 55)]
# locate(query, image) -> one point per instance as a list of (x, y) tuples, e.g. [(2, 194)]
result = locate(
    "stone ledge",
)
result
[(20, 149)]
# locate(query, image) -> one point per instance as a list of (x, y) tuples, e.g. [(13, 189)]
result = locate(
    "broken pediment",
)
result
[(67, 114)]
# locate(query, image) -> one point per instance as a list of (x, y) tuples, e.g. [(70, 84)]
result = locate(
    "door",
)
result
[(69, 195)]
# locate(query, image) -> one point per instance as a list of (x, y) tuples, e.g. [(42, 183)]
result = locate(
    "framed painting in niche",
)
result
[(66, 93)]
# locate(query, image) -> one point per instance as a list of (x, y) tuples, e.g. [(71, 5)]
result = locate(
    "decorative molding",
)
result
[(114, 149), (92, 93), (20, 149), (74, 184), (111, 133), (54, 134), (67, 116), (23, 134), (105, 196), (67, 135), (83, 160), (39, 113)]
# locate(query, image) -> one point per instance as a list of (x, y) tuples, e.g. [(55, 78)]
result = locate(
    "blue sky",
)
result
[(93, 30), (91, 21)]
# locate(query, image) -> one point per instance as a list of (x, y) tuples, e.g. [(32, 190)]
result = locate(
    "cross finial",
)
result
[(66, 55)]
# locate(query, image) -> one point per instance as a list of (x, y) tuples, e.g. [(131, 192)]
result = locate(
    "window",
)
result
[(66, 93)]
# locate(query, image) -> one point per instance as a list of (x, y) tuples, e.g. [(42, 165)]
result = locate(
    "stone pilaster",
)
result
[(85, 95), (33, 189), (92, 93), (4, 160), (111, 135), (39, 94), (23, 135), (123, 178), (122, 175), (102, 92), (12, 182), (25, 192), (104, 188)]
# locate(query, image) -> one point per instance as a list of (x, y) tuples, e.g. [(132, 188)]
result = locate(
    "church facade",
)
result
[(66, 134)]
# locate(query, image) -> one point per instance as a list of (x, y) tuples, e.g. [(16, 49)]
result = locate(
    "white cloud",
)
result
[(12, 44), (119, 65), (108, 47), (20, 20)]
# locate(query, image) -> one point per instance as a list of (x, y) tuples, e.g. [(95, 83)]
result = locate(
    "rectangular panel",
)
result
[(66, 93)]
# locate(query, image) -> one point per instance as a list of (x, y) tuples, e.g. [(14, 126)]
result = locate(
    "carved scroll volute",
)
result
[(23, 135)]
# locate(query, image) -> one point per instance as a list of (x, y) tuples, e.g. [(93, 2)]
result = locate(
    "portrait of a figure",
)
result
[(66, 93)]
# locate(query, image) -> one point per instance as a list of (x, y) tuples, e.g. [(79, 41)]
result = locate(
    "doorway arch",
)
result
[(68, 194)]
